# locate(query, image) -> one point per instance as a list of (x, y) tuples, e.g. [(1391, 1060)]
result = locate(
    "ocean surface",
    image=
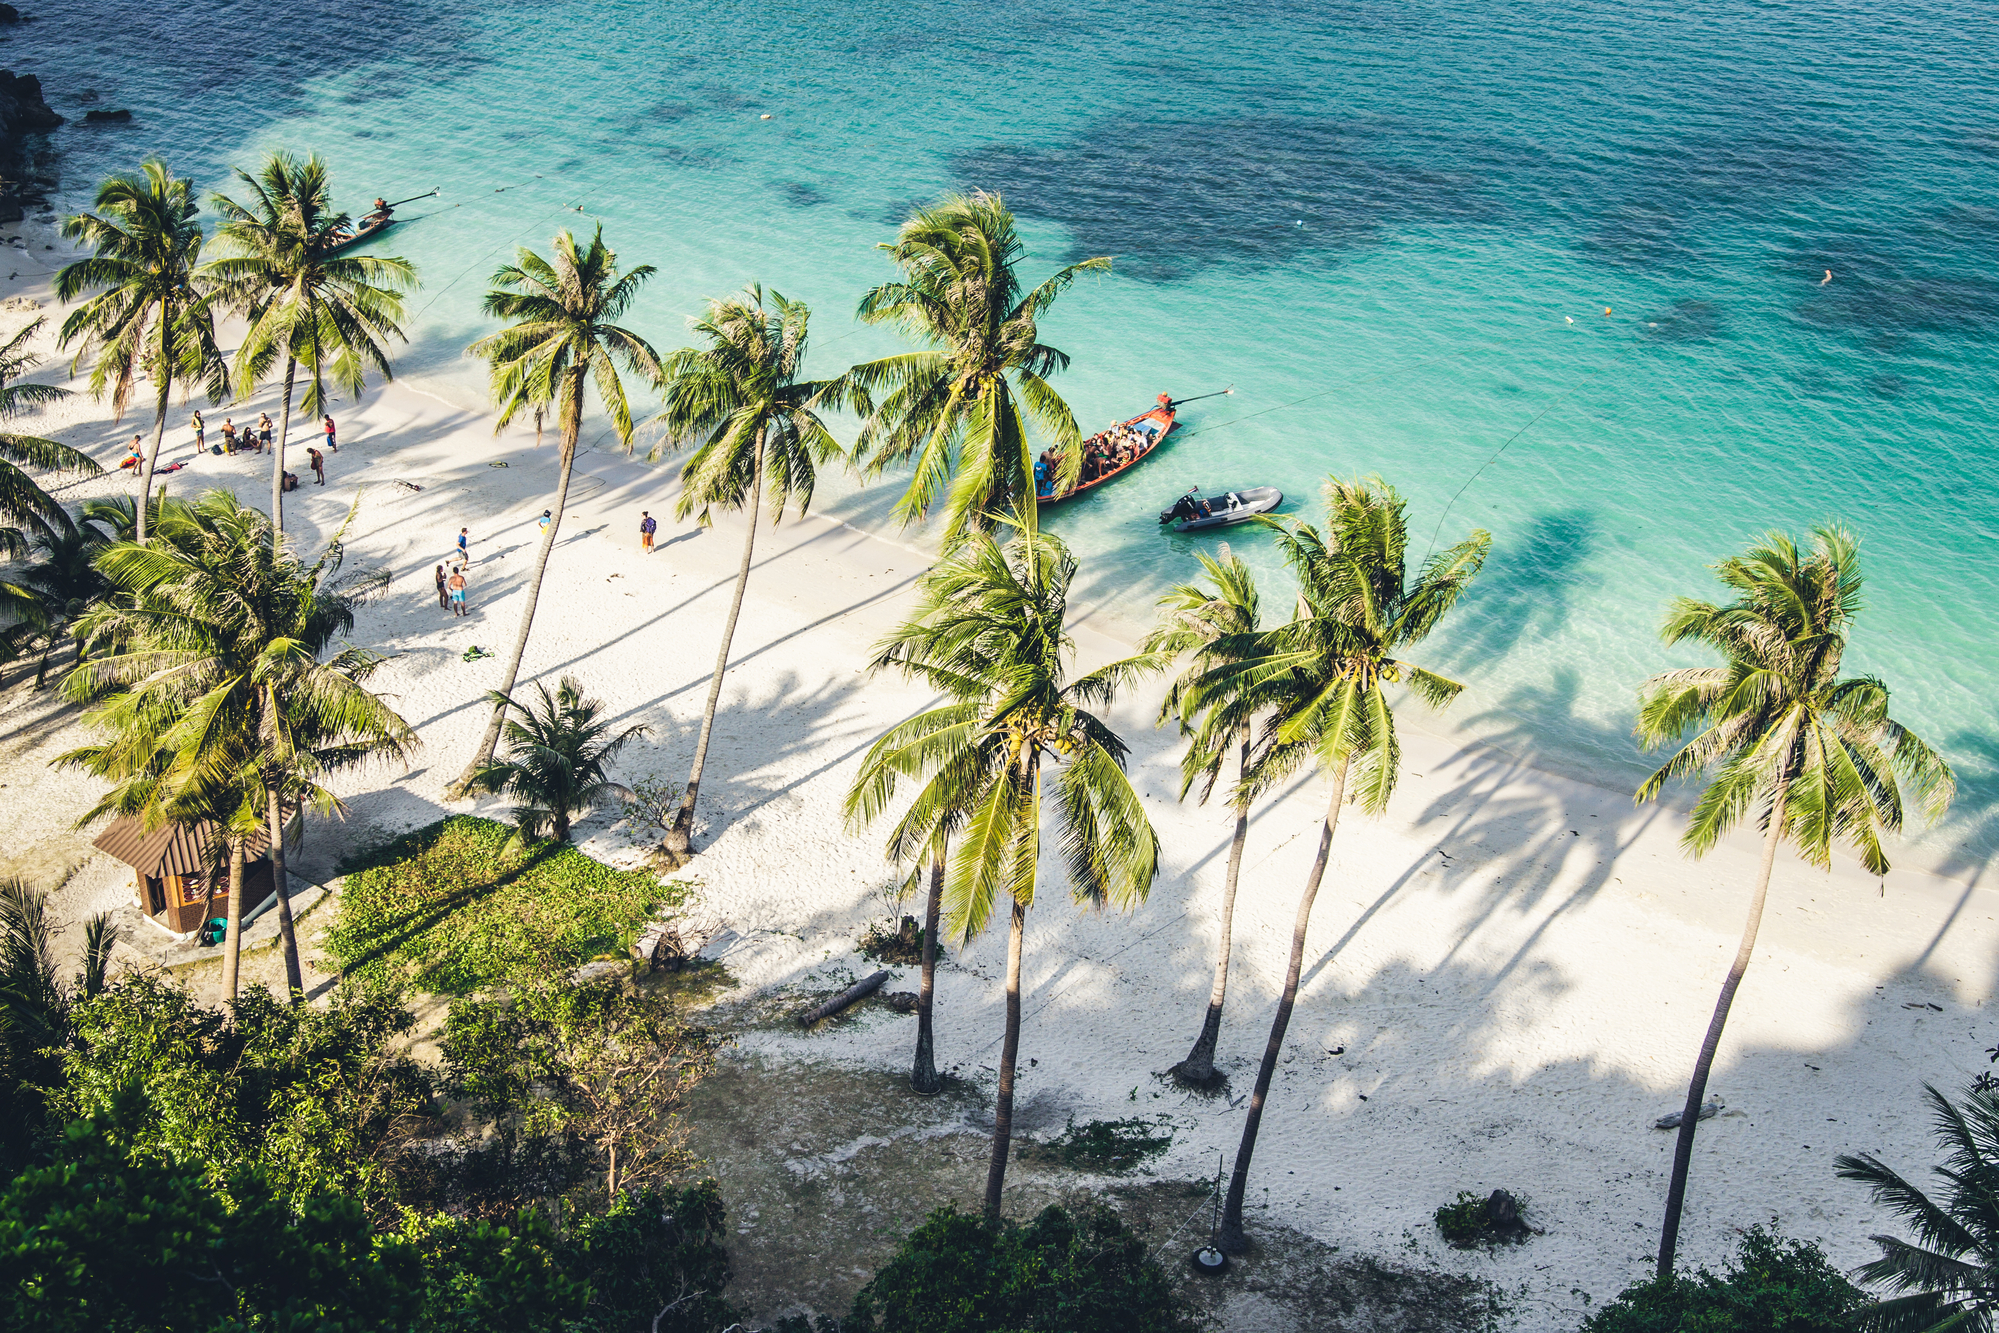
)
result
[(1553, 269)]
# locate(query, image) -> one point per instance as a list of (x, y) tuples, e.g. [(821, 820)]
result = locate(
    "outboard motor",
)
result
[(1182, 508)]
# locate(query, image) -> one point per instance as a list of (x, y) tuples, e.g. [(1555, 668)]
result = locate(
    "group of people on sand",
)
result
[(249, 438), (1102, 455)]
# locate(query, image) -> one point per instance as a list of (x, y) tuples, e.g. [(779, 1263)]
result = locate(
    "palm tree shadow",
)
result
[(1508, 826), (1530, 594)]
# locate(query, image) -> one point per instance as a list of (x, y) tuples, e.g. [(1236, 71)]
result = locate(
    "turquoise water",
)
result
[(1394, 228)]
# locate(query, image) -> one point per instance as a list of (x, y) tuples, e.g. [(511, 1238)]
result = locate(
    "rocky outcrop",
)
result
[(21, 104), (117, 117)]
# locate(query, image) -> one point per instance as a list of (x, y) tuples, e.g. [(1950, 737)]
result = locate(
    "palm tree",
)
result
[(35, 1006), (961, 409), (26, 510), (760, 436), (989, 633), (562, 334), (1949, 1274), (1319, 684), (148, 315), (59, 584), (1198, 619), (306, 303), (222, 691), (555, 760), (938, 749), (1816, 757)]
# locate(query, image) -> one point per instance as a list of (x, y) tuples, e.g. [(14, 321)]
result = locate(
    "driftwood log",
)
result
[(855, 993)]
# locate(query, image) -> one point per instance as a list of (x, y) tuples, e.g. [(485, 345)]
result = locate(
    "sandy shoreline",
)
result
[(1515, 967)]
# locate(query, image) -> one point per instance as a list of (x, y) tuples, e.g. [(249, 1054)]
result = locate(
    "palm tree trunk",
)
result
[(923, 1076), (1231, 1239), (1198, 1069), (1009, 1053), (1683, 1149), (572, 422), (678, 843), (278, 459), (152, 457), (232, 943), (294, 976)]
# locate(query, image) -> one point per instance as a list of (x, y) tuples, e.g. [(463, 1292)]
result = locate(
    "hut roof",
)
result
[(171, 849)]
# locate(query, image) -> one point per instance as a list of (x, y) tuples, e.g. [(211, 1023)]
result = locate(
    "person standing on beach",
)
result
[(455, 585), (318, 461), (229, 436), (648, 525), (464, 541), (200, 432), (331, 447), (443, 596), (263, 432)]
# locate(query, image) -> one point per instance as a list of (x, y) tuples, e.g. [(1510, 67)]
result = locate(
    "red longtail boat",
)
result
[(1150, 428)]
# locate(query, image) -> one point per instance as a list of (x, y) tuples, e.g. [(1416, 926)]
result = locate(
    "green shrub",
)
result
[(454, 909), (1110, 1146), (322, 1100), (1057, 1274), (1463, 1223), (1772, 1286)]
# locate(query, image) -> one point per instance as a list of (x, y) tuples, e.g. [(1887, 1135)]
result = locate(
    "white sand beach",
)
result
[(1508, 975)]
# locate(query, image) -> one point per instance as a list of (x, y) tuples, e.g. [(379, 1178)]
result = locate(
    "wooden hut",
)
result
[(172, 868)]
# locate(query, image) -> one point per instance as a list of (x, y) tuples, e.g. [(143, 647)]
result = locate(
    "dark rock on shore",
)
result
[(21, 104), (9, 14), (120, 116)]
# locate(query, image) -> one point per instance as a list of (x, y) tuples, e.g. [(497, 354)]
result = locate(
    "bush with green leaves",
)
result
[(115, 1234), (575, 1080), (1113, 1147), (322, 1100), (453, 907), (1059, 1273), (1773, 1285)]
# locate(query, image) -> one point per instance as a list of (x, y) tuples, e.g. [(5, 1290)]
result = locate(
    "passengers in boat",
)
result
[(1041, 487)]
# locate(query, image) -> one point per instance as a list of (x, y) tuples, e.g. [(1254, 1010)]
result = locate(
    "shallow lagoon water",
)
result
[(1394, 228)]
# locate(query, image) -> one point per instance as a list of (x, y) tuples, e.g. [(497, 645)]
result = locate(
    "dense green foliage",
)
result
[(454, 908), (575, 1080), (961, 1274), (319, 1100), (115, 1234), (1772, 1286)]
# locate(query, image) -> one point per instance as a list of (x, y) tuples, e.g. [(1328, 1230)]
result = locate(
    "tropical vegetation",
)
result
[(964, 412), (308, 304), (1771, 1283), (459, 906), (1811, 755), (561, 334), (1207, 622), (990, 633), (215, 676), (1944, 1277), (147, 314), (556, 758), (26, 510), (743, 401), (1318, 687)]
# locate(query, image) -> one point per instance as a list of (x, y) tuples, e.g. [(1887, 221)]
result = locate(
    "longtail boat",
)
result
[(365, 232), (1150, 427)]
